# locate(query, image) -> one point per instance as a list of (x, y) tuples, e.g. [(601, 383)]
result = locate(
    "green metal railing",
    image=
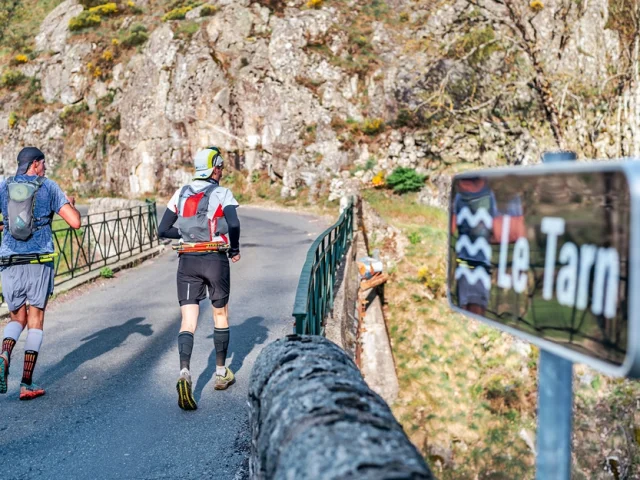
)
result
[(314, 297), (103, 239)]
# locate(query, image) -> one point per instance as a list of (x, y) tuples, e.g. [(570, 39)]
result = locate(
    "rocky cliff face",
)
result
[(322, 94)]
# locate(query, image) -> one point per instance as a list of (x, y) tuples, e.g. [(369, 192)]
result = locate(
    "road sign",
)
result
[(549, 254)]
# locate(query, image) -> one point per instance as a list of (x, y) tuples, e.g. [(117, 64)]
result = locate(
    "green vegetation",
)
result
[(178, 10), (478, 44), (19, 19), (372, 126), (137, 35), (106, 272), (404, 180), (13, 120), (187, 29), (92, 17), (441, 356), (12, 78), (208, 10), (84, 20)]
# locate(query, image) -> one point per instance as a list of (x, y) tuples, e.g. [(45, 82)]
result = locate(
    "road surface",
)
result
[(109, 363)]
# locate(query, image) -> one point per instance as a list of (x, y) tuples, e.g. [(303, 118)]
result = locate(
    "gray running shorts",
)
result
[(31, 283)]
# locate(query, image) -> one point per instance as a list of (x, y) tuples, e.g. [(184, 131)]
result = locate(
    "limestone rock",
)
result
[(63, 76), (437, 192), (54, 29)]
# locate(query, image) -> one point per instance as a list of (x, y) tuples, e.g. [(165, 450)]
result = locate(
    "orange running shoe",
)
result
[(29, 392)]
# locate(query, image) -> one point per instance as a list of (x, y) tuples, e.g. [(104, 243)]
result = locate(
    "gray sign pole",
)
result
[(555, 400), (555, 415)]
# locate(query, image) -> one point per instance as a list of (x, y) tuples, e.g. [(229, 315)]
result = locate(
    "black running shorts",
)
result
[(197, 273)]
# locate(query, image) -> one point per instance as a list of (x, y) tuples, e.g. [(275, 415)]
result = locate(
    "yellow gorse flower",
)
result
[(378, 180), (106, 9), (536, 5)]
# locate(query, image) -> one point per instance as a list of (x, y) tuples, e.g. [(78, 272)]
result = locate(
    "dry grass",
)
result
[(467, 397)]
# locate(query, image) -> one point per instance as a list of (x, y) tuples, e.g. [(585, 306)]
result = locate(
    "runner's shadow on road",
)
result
[(95, 345), (243, 339)]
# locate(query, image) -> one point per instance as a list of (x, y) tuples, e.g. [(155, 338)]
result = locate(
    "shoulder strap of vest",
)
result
[(203, 204), (181, 197), (39, 181)]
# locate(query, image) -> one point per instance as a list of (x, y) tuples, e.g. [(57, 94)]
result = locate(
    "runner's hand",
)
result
[(236, 258)]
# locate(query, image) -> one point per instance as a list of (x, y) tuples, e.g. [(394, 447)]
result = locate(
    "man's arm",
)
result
[(233, 222), (166, 228), (70, 214)]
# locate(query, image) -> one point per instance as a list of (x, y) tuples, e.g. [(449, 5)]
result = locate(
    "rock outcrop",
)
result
[(325, 98)]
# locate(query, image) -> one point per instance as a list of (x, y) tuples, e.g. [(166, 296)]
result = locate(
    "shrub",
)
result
[(12, 78), (13, 120), (84, 20), (208, 10), (106, 272), (104, 9), (372, 126), (137, 36), (107, 56), (404, 180), (415, 238), (177, 13)]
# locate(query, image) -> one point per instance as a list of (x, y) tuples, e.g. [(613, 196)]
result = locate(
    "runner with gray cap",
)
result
[(28, 202)]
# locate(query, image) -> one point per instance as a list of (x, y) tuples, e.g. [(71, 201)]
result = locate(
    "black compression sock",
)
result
[(221, 342), (8, 344), (30, 359), (185, 347)]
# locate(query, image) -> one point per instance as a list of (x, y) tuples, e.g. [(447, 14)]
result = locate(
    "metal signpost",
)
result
[(555, 400), (549, 254)]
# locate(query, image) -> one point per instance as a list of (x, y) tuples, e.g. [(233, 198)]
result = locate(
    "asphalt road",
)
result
[(109, 362)]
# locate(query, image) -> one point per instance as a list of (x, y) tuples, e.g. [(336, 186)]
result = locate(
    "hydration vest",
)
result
[(193, 219), (22, 199)]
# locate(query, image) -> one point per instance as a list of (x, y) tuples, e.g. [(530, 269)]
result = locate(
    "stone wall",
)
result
[(312, 416)]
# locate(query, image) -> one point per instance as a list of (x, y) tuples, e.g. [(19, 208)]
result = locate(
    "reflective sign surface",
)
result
[(547, 255)]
